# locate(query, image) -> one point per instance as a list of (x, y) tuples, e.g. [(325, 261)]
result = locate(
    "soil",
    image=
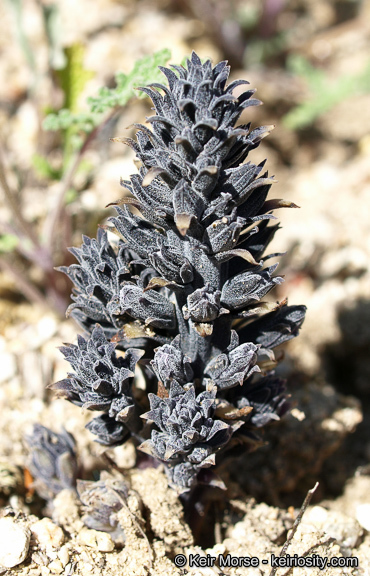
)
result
[(325, 169)]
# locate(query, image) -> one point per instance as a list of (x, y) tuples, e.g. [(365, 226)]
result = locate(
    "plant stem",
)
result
[(55, 295), (39, 256), (297, 522), (29, 290), (55, 215), (24, 226)]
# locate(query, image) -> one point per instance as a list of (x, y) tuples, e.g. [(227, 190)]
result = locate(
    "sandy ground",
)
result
[(325, 169)]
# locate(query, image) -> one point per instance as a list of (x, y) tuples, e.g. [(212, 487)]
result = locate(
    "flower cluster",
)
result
[(102, 381), (190, 434), (101, 501), (181, 291), (53, 462)]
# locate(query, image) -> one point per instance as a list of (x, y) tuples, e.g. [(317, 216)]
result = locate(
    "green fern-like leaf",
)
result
[(64, 119), (324, 93), (145, 71)]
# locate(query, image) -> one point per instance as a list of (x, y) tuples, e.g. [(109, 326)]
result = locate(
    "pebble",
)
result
[(47, 534), (99, 540), (56, 567), (347, 531), (125, 455), (14, 542), (64, 555), (363, 516), (317, 515), (40, 558)]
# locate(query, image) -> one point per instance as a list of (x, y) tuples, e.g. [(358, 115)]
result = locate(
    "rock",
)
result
[(47, 534), (363, 516), (64, 555), (56, 567), (40, 558), (99, 540), (346, 531), (14, 542), (125, 455), (66, 511)]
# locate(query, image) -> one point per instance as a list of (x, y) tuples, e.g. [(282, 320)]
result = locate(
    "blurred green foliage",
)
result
[(325, 93), (72, 79), (8, 242), (74, 124), (260, 50), (44, 169), (248, 15), (74, 76), (144, 72)]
